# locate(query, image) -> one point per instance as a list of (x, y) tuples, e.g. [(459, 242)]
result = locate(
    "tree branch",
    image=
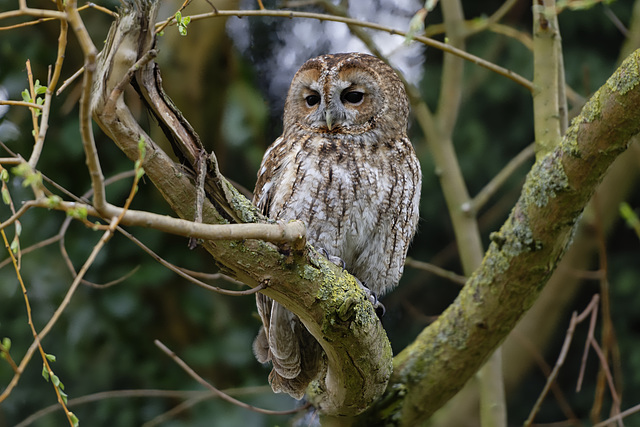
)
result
[(520, 259), (326, 298)]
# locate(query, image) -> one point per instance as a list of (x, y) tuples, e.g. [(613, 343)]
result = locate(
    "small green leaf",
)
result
[(178, 17), (74, 419), (79, 213), (33, 179), (15, 245), (142, 148), (6, 343), (55, 380), (4, 175), (6, 197), (18, 228), (45, 372), (139, 172), (50, 357), (53, 201), (26, 97), (63, 396)]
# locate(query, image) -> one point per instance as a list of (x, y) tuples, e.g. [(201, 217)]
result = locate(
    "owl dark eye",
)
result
[(312, 100), (352, 97)]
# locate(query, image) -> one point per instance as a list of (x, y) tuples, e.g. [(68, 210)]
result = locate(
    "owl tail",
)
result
[(284, 341)]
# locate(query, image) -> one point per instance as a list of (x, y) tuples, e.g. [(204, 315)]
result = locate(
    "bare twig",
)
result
[(498, 181), (21, 104), (52, 82), (188, 276), (350, 21), (63, 305), (438, 271), (144, 393), (219, 393), (592, 310), (608, 338)]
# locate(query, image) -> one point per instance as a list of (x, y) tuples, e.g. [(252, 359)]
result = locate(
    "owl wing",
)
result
[(282, 340), (273, 164)]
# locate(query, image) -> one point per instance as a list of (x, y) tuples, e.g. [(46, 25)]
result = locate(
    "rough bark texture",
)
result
[(521, 257), (327, 299)]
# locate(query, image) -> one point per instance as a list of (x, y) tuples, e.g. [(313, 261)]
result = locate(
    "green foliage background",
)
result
[(104, 341)]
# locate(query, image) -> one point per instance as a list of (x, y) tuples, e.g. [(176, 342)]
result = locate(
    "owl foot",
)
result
[(373, 299), (334, 259), (371, 296)]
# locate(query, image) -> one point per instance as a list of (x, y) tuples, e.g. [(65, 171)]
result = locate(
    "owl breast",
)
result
[(356, 196)]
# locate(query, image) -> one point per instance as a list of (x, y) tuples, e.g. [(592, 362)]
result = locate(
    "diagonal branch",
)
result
[(521, 257)]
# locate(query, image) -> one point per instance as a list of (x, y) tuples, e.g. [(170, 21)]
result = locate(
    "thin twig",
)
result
[(438, 271), (21, 104), (186, 275), (498, 180), (219, 393), (56, 315), (90, 53), (350, 21), (126, 394), (38, 13), (583, 364), (52, 82), (619, 417), (576, 319), (608, 338)]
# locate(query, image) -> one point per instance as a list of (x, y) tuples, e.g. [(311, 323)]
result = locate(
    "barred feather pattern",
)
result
[(345, 167)]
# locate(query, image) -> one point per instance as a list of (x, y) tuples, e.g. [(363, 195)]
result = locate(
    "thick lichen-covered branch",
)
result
[(520, 259), (326, 298)]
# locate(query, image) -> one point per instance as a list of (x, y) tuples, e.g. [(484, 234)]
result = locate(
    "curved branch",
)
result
[(326, 298), (355, 22)]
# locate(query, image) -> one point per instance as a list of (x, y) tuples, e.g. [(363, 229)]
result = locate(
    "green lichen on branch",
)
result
[(627, 78), (520, 258)]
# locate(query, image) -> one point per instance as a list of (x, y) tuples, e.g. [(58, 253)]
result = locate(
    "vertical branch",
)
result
[(439, 135), (51, 85), (90, 54), (453, 67), (546, 68)]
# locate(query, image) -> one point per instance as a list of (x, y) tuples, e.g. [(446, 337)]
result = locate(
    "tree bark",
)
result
[(520, 259)]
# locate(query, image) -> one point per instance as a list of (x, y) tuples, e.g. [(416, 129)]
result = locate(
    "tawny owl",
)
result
[(345, 167)]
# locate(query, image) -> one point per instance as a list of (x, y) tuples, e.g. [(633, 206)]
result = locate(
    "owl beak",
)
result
[(328, 119)]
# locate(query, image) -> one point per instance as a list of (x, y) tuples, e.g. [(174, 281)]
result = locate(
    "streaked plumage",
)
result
[(344, 166)]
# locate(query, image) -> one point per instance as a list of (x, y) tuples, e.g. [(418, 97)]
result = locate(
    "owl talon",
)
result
[(373, 299), (333, 259)]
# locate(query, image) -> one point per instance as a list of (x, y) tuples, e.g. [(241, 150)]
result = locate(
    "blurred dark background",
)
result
[(229, 78)]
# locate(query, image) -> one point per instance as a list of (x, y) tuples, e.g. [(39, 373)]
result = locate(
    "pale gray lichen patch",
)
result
[(627, 77), (547, 178), (570, 140), (592, 110)]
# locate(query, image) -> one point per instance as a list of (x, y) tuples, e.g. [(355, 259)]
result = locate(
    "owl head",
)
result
[(349, 93)]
